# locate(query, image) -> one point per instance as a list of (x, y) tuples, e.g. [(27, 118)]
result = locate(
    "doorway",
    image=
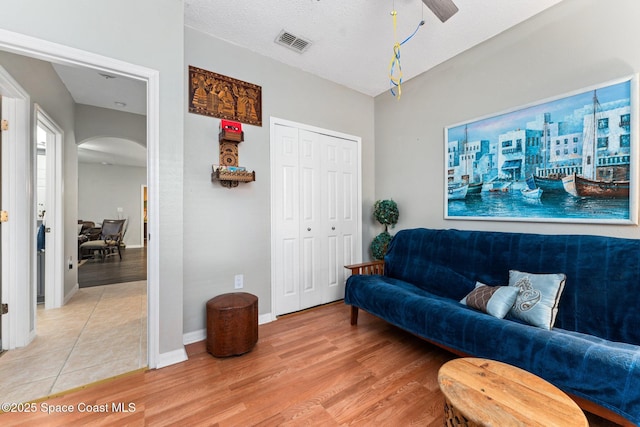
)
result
[(49, 216), (18, 326), (1, 311)]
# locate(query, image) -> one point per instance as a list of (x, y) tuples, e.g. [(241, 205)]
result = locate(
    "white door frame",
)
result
[(274, 121), (48, 51), (54, 218), (18, 326)]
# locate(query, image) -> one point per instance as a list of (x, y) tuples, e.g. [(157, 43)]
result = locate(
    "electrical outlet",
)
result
[(239, 281)]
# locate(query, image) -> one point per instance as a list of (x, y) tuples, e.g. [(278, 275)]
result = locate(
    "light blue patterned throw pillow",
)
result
[(538, 297), (493, 300)]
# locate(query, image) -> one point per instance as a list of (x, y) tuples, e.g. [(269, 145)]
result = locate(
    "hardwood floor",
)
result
[(132, 268), (309, 368)]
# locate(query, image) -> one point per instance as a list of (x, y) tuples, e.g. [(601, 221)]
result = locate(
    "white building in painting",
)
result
[(607, 144)]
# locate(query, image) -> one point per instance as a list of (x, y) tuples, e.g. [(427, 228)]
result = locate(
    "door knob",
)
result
[(333, 228), (308, 228)]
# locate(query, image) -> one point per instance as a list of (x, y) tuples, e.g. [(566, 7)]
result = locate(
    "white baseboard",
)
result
[(201, 334), (70, 294), (171, 358), (266, 318), (195, 336)]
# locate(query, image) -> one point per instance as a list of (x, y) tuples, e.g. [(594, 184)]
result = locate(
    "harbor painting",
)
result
[(568, 159)]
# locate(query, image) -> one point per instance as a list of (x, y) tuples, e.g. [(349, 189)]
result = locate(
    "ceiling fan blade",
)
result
[(443, 9)]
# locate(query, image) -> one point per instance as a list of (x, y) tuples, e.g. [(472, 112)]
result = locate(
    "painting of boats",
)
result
[(601, 189), (531, 191), (569, 185), (475, 188), (549, 176), (574, 156), (457, 191), (606, 176), (550, 184)]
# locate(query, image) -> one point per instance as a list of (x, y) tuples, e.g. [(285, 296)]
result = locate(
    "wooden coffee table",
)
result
[(482, 392)]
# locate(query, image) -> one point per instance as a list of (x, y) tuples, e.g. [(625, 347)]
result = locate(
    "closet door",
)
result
[(286, 220), (339, 167), (315, 216), (312, 234)]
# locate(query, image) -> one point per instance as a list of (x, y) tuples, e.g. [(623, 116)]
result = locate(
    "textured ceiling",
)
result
[(352, 40), (351, 44)]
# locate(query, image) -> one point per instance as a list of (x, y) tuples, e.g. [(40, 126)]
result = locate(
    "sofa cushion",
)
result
[(493, 300), (445, 282), (538, 297)]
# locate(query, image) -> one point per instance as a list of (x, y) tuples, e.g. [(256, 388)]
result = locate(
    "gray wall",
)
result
[(227, 231), (149, 33), (575, 44), (121, 183), (56, 101), (102, 189)]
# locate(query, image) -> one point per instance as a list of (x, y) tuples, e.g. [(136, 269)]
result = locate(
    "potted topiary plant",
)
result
[(386, 213)]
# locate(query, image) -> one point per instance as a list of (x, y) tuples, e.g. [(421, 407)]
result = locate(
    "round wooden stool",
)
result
[(232, 324), (482, 392)]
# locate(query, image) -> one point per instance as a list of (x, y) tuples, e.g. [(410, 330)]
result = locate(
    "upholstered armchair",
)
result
[(109, 241)]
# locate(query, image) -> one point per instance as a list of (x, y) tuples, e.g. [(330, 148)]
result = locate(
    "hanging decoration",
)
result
[(395, 69)]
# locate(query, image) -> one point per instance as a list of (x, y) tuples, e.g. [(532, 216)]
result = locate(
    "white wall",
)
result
[(227, 231), (575, 44), (148, 33), (96, 122), (102, 189)]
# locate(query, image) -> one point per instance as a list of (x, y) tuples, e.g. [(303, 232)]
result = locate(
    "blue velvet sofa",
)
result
[(593, 350)]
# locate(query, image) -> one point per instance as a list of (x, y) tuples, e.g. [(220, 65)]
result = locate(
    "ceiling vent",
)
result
[(292, 42)]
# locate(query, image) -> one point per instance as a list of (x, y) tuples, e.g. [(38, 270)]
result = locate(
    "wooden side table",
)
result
[(232, 324), (482, 392)]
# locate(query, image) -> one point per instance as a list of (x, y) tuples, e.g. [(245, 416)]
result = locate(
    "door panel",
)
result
[(286, 213), (345, 223), (310, 226), (289, 265)]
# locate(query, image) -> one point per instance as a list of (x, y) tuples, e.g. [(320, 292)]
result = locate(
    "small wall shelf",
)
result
[(226, 173), (231, 179)]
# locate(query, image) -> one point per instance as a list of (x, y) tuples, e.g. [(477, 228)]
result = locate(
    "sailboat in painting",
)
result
[(548, 182), (473, 187), (600, 179)]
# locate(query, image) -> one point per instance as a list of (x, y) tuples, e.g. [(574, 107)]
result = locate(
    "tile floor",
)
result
[(100, 333)]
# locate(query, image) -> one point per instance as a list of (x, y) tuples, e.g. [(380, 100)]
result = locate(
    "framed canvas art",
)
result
[(568, 159)]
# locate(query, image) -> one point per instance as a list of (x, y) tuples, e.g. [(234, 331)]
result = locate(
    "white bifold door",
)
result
[(316, 216)]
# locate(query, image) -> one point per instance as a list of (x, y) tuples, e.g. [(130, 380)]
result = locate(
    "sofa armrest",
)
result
[(366, 268), (371, 267)]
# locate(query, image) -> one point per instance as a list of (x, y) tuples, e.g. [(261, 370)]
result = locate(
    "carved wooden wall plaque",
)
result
[(215, 95)]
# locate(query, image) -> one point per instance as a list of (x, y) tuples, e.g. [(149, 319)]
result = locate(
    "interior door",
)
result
[(312, 231), (49, 139), (286, 216), (340, 211), (315, 210)]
